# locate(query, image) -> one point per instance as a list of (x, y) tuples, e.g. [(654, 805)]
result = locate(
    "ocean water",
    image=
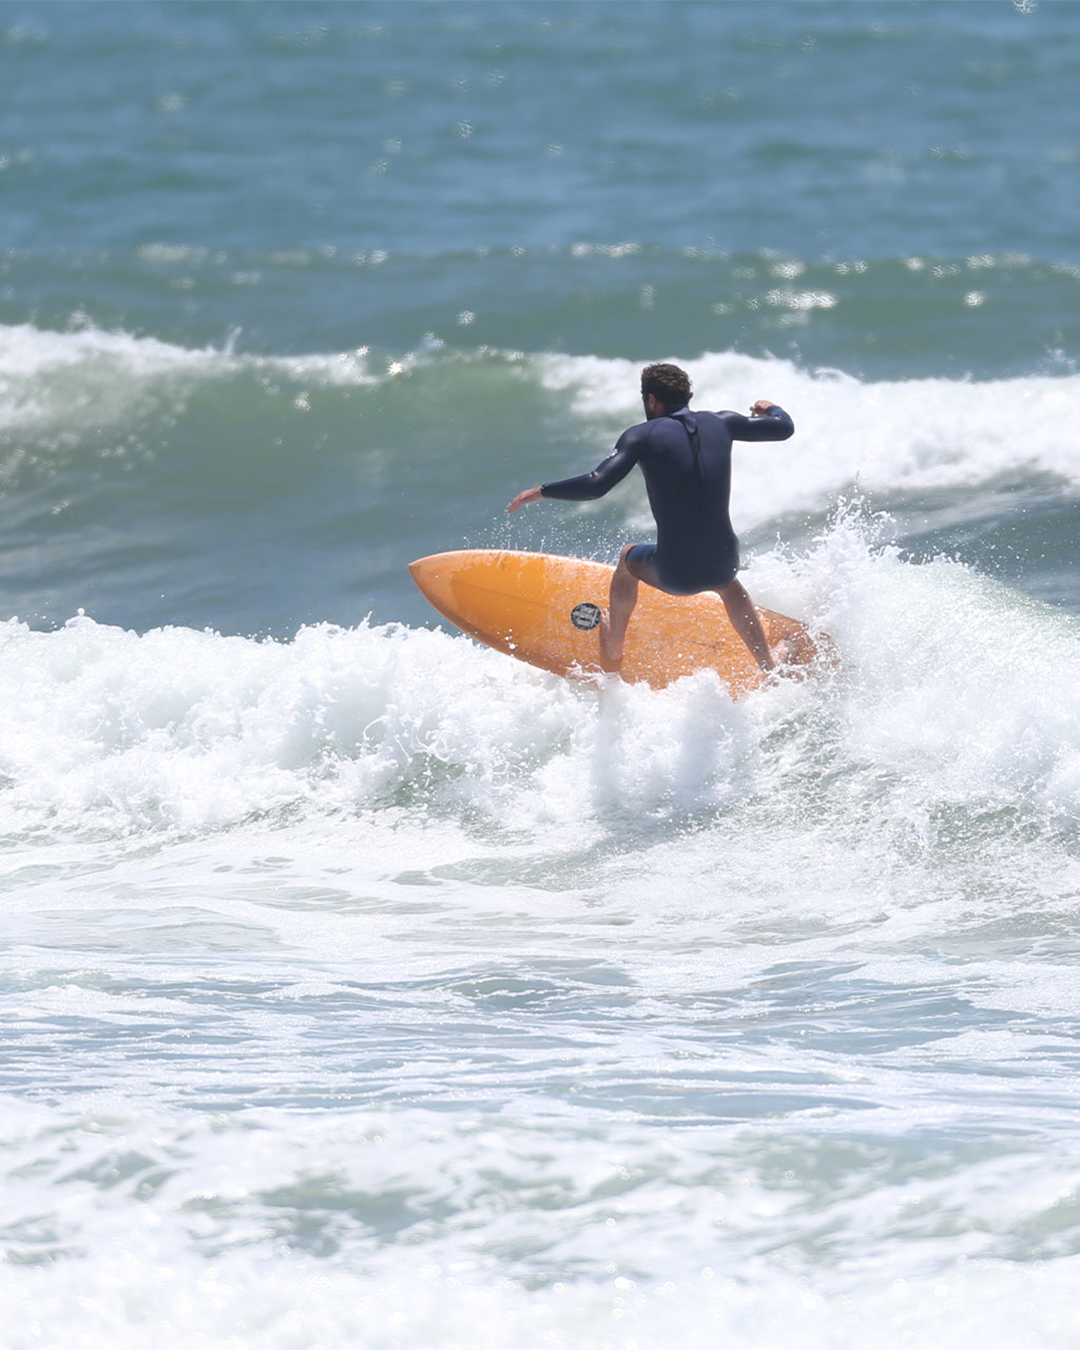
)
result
[(362, 987)]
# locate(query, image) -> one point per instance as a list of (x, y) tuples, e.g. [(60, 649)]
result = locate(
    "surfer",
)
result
[(686, 459)]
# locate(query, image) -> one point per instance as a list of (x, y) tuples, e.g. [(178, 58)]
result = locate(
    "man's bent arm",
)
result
[(769, 423)]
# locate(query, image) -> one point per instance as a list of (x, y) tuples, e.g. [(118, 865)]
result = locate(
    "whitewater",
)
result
[(362, 984), (371, 985)]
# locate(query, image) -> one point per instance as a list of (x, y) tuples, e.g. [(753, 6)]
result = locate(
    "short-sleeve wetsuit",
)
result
[(686, 459)]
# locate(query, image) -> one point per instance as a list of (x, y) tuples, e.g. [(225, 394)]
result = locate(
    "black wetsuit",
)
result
[(686, 460)]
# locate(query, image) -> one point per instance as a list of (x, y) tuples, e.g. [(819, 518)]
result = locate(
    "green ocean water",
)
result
[(359, 986)]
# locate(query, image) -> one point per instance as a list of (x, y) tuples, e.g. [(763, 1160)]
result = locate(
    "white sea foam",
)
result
[(946, 683), (91, 377), (372, 987), (270, 1230)]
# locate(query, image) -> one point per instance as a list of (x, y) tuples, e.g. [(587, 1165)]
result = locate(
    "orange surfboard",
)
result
[(546, 610)]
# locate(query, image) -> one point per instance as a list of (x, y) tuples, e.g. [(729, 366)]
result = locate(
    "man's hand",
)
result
[(525, 498), (762, 406)]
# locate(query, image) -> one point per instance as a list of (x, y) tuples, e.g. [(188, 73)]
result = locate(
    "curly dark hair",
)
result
[(670, 384)]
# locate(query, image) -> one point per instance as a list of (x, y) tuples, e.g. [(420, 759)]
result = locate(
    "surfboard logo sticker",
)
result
[(585, 616)]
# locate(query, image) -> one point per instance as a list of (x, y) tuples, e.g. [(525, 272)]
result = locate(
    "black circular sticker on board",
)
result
[(585, 616)]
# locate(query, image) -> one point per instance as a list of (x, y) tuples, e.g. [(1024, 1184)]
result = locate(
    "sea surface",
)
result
[(361, 987)]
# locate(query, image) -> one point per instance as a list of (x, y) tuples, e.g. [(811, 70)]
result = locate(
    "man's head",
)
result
[(668, 385)]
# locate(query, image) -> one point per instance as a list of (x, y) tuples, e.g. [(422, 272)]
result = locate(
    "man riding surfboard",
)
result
[(686, 460)]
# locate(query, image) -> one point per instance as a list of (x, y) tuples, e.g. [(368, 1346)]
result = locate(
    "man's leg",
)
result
[(745, 621), (613, 624)]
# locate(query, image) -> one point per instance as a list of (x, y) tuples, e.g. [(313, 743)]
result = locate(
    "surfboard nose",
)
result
[(425, 571), (435, 577)]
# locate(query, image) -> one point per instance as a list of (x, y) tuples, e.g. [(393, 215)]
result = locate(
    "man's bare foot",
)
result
[(788, 663), (783, 654)]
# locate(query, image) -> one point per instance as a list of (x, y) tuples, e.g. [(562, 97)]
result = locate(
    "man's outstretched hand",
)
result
[(525, 498)]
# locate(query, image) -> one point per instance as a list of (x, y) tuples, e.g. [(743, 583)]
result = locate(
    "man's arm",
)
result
[(586, 487), (767, 422)]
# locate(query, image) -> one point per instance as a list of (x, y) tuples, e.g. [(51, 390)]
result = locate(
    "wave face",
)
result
[(148, 484), (361, 986)]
